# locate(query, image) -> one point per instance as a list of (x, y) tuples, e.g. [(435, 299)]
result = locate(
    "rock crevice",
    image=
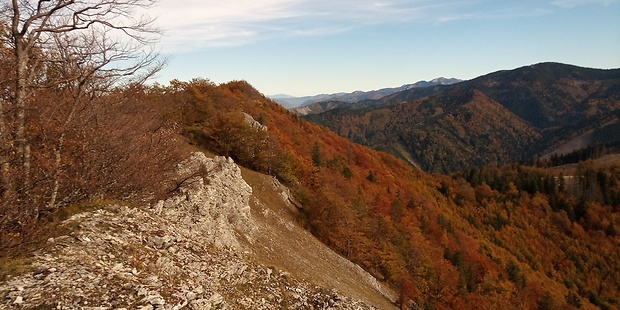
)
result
[(212, 200)]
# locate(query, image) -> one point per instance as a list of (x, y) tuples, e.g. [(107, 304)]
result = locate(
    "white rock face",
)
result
[(253, 123), (182, 253), (213, 200), (129, 263)]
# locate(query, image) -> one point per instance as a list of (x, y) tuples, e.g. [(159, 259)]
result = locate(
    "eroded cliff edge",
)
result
[(217, 243)]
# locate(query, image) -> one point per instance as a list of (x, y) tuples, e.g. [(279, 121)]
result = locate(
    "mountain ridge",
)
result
[(509, 237), (555, 101), (292, 102)]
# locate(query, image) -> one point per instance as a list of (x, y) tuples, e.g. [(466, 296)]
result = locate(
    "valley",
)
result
[(504, 117)]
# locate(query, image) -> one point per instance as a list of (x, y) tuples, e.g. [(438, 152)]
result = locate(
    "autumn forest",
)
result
[(515, 233)]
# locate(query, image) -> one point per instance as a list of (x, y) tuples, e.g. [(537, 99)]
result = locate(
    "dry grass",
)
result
[(283, 242), (571, 169), (16, 249), (12, 266)]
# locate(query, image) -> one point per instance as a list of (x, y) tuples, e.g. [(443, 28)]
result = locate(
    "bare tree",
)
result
[(80, 47)]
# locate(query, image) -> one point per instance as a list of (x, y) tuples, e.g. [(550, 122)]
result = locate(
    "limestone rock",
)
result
[(120, 257), (18, 300), (213, 200), (253, 123)]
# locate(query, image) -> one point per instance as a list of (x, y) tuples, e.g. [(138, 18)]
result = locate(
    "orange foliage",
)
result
[(438, 240)]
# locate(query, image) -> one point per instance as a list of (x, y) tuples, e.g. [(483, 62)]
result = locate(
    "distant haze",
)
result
[(293, 102)]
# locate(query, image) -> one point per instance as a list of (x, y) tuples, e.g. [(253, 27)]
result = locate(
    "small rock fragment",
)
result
[(19, 300), (191, 296)]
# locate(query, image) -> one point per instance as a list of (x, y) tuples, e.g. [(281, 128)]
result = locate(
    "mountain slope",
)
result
[(471, 130), (440, 241), (218, 243), (552, 94), (514, 237), (441, 132), (543, 107)]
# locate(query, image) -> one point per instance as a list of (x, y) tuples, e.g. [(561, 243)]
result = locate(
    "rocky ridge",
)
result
[(213, 200), (191, 251)]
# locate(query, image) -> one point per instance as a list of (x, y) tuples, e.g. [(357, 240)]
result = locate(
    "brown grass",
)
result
[(16, 248)]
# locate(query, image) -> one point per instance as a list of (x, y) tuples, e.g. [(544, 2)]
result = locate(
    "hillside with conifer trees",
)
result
[(515, 236), (499, 118)]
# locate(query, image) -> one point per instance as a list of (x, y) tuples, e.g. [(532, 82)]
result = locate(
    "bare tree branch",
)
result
[(80, 47)]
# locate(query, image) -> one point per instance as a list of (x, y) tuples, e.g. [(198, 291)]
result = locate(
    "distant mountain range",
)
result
[(298, 103), (502, 117)]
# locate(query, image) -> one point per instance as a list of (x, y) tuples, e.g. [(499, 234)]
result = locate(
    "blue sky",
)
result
[(308, 47)]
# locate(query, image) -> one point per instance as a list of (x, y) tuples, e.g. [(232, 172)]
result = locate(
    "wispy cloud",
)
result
[(197, 24), (574, 3), (494, 15)]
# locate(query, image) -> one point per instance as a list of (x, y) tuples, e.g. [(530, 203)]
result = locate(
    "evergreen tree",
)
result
[(317, 157)]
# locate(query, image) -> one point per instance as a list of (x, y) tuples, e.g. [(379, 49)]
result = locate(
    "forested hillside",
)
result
[(509, 238), (502, 117), (513, 236), (78, 130)]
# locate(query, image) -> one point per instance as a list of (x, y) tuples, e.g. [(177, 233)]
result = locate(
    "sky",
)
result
[(309, 47)]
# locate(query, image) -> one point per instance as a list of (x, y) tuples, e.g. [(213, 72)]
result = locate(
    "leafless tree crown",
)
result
[(80, 48)]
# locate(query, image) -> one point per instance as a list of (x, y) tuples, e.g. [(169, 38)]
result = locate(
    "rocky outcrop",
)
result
[(127, 258), (285, 193), (213, 200), (253, 123), (190, 251)]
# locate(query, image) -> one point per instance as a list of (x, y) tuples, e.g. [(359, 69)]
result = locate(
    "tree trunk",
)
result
[(21, 97), (5, 149), (21, 148), (52, 205)]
